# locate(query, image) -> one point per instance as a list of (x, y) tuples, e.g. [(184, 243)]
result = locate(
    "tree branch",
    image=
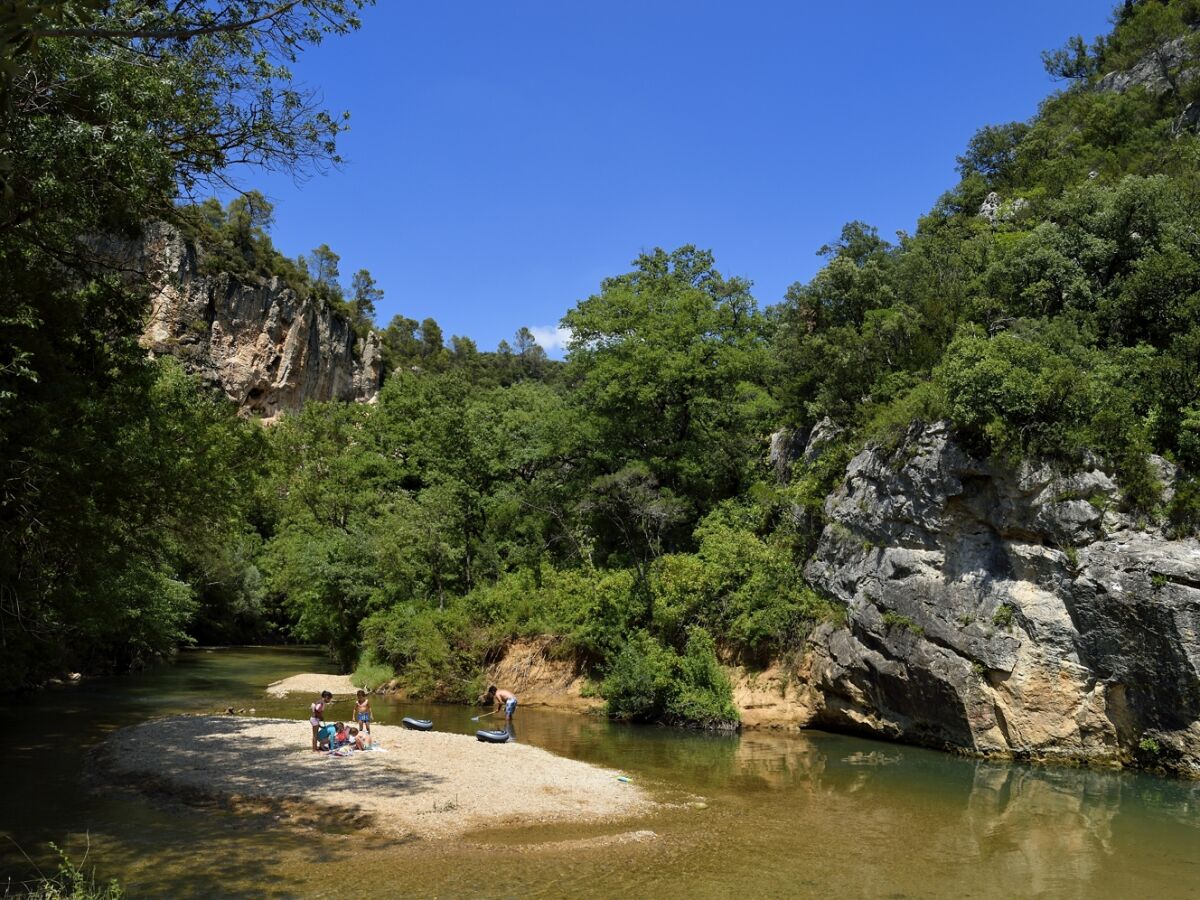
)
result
[(177, 34)]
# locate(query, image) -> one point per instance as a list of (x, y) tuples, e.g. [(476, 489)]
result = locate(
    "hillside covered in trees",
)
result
[(621, 502)]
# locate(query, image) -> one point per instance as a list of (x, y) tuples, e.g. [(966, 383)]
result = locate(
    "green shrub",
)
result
[(1183, 512), (892, 619), (370, 673), (1040, 390), (638, 682), (431, 650), (805, 495), (889, 422), (597, 609), (648, 682), (740, 583), (1003, 616), (702, 694)]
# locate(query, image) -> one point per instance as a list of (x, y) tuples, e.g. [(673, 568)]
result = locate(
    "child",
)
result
[(359, 740), (326, 735), (317, 716), (340, 738), (362, 712)]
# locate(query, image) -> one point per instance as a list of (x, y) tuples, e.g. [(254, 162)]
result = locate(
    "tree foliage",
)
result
[(116, 470)]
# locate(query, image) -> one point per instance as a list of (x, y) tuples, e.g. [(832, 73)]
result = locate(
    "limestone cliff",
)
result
[(1001, 611), (269, 349)]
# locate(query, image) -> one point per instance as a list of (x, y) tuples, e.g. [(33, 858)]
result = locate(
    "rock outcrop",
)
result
[(1159, 71), (267, 348), (1007, 612), (809, 444)]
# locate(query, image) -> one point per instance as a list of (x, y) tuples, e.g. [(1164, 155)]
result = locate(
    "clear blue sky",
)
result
[(504, 157)]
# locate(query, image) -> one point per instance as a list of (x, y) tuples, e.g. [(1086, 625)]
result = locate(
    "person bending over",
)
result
[(504, 700)]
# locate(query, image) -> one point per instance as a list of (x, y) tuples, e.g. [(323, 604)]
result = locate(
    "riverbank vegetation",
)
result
[(69, 882), (620, 501)]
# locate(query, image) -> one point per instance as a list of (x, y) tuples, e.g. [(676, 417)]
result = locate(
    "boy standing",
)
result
[(362, 712)]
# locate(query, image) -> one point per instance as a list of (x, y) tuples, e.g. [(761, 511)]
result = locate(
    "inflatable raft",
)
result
[(417, 724), (492, 737)]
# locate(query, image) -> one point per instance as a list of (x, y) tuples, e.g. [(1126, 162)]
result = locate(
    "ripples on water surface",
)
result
[(787, 815)]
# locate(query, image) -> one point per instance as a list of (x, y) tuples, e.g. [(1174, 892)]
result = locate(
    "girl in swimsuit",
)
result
[(317, 715), (362, 712)]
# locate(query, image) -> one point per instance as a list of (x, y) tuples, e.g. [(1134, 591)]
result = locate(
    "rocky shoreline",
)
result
[(1011, 612)]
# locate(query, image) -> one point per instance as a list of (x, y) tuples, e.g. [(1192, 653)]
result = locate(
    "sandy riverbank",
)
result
[(308, 683), (426, 784)]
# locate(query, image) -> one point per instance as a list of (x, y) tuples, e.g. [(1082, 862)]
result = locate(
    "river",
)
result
[(785, 815)]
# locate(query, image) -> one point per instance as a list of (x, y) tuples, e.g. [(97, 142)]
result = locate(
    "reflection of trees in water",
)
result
[(779, 760), (1177, 800), (691, 759)]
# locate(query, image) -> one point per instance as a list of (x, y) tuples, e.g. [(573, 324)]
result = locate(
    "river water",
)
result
[(790, 815)]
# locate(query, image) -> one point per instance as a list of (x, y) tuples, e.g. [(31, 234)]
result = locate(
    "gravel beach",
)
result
[(424, 784), (338, 685)]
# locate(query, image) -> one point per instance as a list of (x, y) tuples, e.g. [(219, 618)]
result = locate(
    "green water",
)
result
[(787, 815)]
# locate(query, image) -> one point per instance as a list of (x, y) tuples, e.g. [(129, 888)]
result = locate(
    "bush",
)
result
[(597, 610), (639, 681), (370, 673), (1183, 513), (741, 584), (702, 693), (892, 619), (1038, 390), (431, 650), (648, 682)]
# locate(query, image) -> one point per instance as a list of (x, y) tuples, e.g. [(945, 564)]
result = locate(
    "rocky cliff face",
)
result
[(1004, 612), (1157, 72), (268, 349)]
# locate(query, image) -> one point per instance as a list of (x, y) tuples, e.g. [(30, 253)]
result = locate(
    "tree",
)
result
[(532, 357), (109, 114), (229, 59), (400, 344), (431, 338), (668, 360), (992, 152), (1074, 62), (322, 265), (464, 349), (365, 295)]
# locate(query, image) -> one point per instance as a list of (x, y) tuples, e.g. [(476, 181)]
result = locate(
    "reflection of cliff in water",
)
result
[(1029, 823), (1044, 832)]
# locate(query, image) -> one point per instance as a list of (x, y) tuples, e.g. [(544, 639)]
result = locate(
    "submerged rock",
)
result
[(1005, 611)]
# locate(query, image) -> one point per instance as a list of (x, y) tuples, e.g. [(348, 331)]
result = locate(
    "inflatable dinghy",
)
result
[(417, 724), (493, 737)]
